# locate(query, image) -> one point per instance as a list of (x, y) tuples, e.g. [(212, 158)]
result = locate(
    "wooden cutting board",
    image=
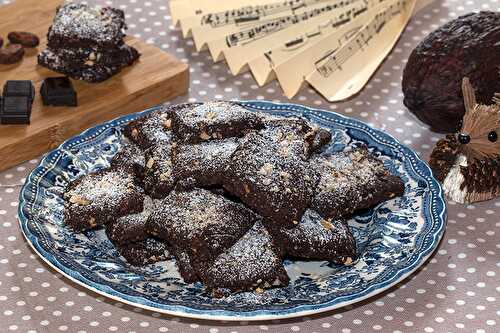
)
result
[(155, 78)]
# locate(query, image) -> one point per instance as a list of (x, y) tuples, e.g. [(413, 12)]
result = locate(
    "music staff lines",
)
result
[(255, 13), (278, 24), (334, 61)]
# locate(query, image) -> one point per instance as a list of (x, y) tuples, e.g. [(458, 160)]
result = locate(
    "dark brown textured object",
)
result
[(101, 197), (467, 46), (26, 39), (145, 252), (11, 54), (1, 41), (444, 156), (317, 238)]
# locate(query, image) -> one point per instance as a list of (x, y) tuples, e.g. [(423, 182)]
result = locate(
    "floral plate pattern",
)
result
[(393, 239)]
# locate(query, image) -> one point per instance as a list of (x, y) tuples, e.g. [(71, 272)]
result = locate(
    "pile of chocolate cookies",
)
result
[(87, 43), (229, 193)]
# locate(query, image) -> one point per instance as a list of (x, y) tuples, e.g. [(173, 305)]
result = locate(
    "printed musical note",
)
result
[(334, 61), (253, 13), (274, 25)]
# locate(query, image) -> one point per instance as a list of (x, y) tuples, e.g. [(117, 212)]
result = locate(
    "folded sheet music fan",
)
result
[(334, 45)]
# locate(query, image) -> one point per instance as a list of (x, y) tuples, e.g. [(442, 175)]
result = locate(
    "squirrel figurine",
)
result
[(468, 163)]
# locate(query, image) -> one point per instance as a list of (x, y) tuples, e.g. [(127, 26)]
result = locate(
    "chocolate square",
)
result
[(16, 110), (58, 91), (19, 88)]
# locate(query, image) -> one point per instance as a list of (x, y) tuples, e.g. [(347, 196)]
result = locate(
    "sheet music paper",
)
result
[(190, 13), (264, 67), (334, 45), (362, 54), (254, 42), (265, 20)]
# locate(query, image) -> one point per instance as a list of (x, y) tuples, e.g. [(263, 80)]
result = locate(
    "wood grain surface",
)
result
[(155, 78)]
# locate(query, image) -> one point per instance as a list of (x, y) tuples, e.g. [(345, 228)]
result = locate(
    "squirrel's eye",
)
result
[(493, 136)]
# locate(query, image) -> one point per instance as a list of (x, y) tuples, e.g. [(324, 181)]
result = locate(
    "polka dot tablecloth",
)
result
[(457, 290)]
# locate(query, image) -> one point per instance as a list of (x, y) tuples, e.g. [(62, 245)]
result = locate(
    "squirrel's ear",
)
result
[(469, 95)]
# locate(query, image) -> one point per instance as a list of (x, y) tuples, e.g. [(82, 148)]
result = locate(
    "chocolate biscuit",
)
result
[(144, 252), (214, 120), (204, 162), (158, 180), (268, 174), (318, 239), (352, 180), (98, 198), (201, 222), (252, 263)]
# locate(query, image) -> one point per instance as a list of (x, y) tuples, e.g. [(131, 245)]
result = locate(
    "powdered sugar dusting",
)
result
[(252, 262), (80, 22)]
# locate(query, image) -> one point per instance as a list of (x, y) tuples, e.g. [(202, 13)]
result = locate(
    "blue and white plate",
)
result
[(393, 239)]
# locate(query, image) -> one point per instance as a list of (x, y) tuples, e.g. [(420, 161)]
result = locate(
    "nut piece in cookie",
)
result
[(201, 222), (204, 162), (252, 263), (158, 180), (130, 157), (152, 128), (268, 174), (98, 198), (144, 252), (214, 120), (318, 239), (352, 180)]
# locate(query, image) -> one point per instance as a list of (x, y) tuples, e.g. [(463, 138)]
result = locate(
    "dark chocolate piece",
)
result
[(203, 223), (58, 91), (252, 263), (148, 251), (267, 173), (16, 110), (318, 239), (215, 120), (351, 181), (205, 162), (101, 197), (158, 180), (19, 88)]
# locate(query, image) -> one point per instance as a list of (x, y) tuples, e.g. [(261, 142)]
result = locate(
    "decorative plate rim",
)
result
[(436, 215)]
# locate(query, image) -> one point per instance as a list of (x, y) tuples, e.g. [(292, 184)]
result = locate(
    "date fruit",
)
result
[(11, 54), (468, 46), (26, 39)]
